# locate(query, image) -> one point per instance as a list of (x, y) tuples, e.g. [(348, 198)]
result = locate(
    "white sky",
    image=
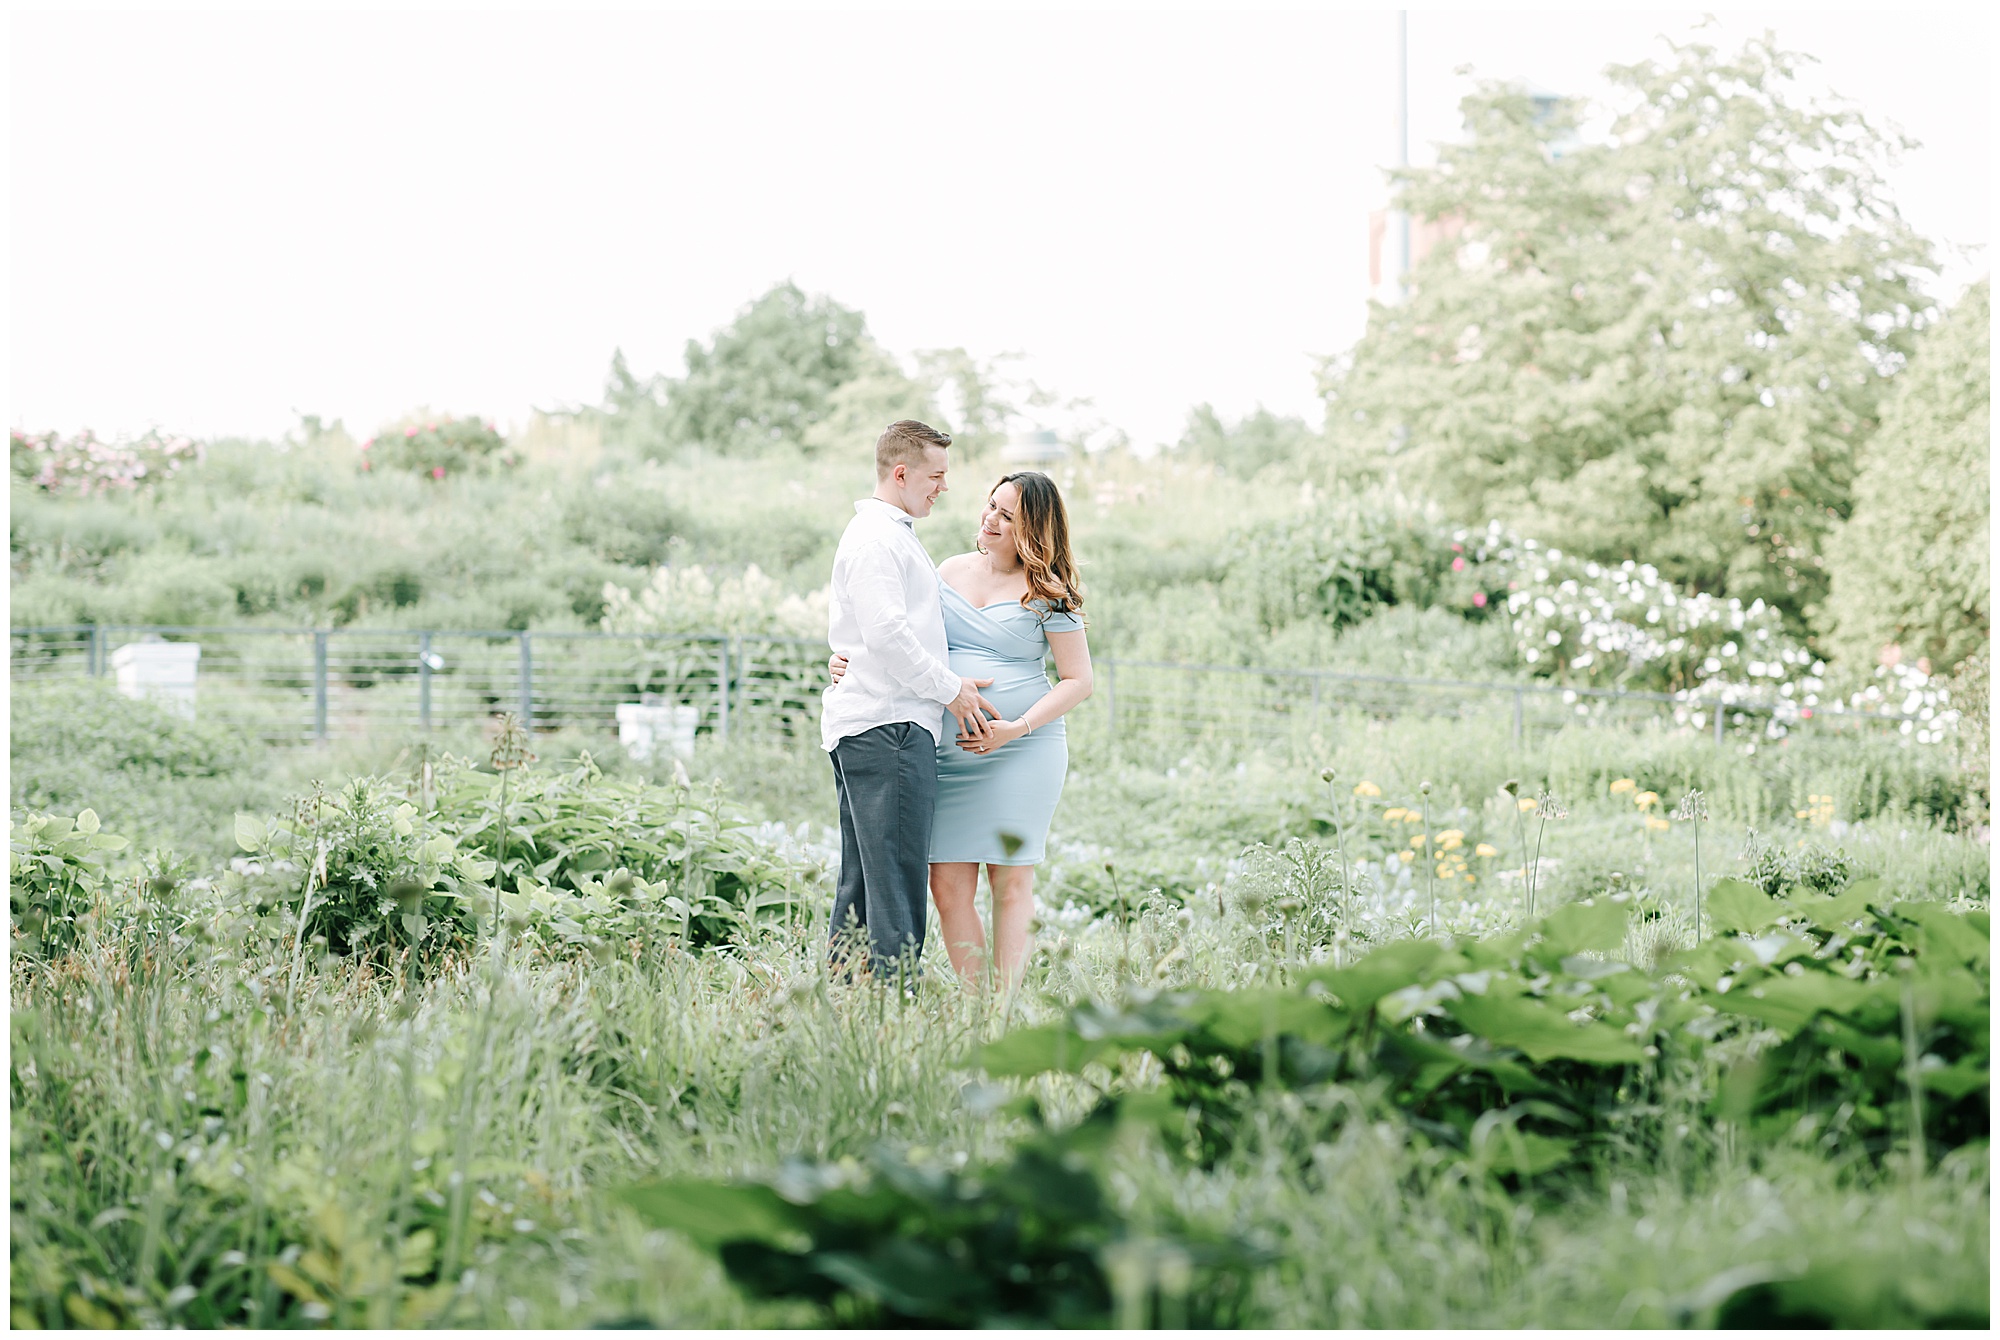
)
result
[(218, 221)]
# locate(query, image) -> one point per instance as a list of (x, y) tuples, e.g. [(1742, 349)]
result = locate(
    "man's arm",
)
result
[(875, 591)]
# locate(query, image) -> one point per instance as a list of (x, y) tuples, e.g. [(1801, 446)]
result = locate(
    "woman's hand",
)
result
[(836, 665), (1002, 732)]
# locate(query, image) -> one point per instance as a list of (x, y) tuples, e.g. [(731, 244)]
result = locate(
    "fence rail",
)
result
[(300, 685)]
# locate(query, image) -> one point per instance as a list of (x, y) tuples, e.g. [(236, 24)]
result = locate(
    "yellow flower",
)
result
[(1451, 839), (1406, 856), (1367, 789), (1645, 800), (1622, 785), (1394, 812), (1443, 872), (1486, 849), (1657, 825), (1525, 803), (1418, 841)]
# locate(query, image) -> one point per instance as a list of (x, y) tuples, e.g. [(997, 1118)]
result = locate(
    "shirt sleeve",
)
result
[(875, 589)]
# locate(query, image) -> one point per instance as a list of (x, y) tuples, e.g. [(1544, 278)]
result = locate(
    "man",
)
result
[(880, 724)]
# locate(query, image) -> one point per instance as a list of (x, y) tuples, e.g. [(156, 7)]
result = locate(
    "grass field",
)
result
[(304, 1074)]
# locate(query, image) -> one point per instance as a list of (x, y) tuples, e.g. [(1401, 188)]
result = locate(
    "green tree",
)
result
[(1912, 566), (1249, 444), (1666, 346)]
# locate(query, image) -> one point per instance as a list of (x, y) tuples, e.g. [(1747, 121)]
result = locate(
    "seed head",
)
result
[(1423, 788), (1326, 774), (1512, 786), (1548, 807), (1693, 806)]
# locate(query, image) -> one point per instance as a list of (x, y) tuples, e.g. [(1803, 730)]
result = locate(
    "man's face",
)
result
[(918, 486)]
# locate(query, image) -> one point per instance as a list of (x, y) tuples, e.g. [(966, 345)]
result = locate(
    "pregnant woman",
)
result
[(1006, 607)]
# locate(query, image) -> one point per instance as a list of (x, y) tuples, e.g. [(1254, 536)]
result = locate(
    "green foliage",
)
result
[(1523, 1051), (55, 870), (766, 378), (440, 448), (1250, 444), (1342, 561), (902, 1241), (1670, 344), (589, 855), (82, 465), (364, 869), (1911, 567), (153, 775)]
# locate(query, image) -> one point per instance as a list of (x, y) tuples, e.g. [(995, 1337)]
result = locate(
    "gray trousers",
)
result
[(887, 782)]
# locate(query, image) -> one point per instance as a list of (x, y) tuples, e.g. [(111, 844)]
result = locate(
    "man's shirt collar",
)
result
[(887, 510)]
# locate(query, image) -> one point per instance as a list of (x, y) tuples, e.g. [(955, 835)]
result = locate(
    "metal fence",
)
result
[(299, 685)]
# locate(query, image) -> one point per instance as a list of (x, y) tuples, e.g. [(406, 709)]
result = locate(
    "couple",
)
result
[(936, 778)]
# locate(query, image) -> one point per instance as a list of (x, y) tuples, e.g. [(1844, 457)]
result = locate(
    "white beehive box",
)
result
[(162, 671), (644, 727)]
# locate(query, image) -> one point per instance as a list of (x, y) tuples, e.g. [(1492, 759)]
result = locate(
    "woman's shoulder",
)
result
[(955, 563)]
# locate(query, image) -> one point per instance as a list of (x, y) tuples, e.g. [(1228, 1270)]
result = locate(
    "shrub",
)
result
[(84, 465), (440, 449)]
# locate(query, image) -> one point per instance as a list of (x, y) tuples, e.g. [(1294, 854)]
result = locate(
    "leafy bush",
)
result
[(153, 775), (592, 850), (84, 465), (899, 1241), (55, 871), (1524, 1051), (440, 449), (365, 868)]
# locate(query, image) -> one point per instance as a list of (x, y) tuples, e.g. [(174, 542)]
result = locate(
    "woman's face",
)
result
[(996, 526)]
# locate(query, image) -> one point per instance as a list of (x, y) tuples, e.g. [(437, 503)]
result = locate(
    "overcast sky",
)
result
[(221, 221)]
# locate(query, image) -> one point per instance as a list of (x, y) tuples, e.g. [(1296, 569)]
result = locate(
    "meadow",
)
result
[(413, 1030)]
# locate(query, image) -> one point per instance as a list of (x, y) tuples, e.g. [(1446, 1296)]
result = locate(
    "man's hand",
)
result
[(836, 665), (1000, 732), (970, 710)]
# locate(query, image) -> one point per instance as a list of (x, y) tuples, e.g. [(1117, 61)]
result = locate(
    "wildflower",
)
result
[(1479, 599), (1655, 824), (1645, 800), (1394, 813), (1458, 565), (1326, 774), (1548, 807), (1367, 789), (437, 472), (1419, 840), (1623, 785), (1406, 857), (1451, 839), (1423, 788), (410, 431), (1693, 806), (1525, 805), (1486, 849)]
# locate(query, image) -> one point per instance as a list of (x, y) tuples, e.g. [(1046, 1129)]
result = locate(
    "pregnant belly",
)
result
[(1017, 685)]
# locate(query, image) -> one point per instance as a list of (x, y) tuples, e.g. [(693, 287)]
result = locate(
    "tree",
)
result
[(1911, 568), (1667, 346), (1249, 444)]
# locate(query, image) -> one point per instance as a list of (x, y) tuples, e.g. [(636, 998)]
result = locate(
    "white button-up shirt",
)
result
[(887, 618)]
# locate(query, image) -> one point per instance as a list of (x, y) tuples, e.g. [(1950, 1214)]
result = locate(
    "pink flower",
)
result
[(437, 472), (1479, 599), (1458, 565), (369, 443), (410, 431), (367, 465)]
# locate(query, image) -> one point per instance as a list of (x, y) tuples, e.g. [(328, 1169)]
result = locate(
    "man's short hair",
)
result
[(904, 442)]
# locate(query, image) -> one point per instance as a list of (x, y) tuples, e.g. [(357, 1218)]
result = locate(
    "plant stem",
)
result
[(1346, 879), (1697, 882), (1910, 1078), (1430, 865), (1535, 868), (1521, 826)]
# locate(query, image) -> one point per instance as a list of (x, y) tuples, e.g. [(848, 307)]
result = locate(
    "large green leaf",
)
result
[(1789, 1003), (1244, 1018), (1541, 1033), (1595, 924), (1390, 968), (1947, 933), (713, 1213), (1736, 906), (1035, 1051), (1849, 905)]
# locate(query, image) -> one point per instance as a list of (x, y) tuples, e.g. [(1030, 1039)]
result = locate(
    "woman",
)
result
[(1006, 606)]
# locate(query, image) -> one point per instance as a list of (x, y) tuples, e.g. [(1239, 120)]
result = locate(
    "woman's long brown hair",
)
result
[(1041, 534)]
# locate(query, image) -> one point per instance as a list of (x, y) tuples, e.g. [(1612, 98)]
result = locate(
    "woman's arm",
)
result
[(1072, 652)]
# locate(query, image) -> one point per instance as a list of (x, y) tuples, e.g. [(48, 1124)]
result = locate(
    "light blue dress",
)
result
[(1015, 788)]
